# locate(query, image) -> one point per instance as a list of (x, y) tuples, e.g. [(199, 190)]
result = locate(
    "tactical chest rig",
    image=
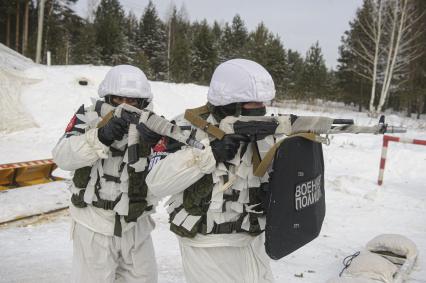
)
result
[(197, 197), (137, 188)]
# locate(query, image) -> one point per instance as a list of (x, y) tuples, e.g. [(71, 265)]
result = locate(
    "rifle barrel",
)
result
[(395, 130)]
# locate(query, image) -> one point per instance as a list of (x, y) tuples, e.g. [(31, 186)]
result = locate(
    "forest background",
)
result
[(381, 64)]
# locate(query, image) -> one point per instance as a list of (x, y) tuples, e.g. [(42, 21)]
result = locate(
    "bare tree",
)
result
[(377, 35), (401, 50), (386, 47), (366, 43)]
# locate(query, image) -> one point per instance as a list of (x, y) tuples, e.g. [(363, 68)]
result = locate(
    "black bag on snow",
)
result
[(296, 204)]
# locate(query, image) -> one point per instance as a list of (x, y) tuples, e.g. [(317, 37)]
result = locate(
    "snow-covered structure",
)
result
[(13, 75)]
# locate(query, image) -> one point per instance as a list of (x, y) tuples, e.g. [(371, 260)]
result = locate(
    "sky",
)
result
[(298, 23)]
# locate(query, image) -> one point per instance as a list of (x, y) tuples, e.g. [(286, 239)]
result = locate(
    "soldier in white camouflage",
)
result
[(110, 204), (216, 203)]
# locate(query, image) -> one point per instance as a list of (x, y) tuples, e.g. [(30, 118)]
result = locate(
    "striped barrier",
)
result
[(26, 163), (26, 173), (386, 140)]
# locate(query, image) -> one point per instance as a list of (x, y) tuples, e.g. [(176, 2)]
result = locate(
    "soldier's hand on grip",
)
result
[(226, 148), (114, 130)]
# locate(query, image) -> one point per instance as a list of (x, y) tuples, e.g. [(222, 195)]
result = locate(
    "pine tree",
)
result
[(136, 55), (239, 34), (180, 52), (7, 14), (217, 36), (32, 31), (295, 74), (267, 49), (110, 33), (314, 72), (234, 39), (152, 40), (256, 44), (217, 31), (226, 51), (353, 88), (277, 65), (84, 48), (60, 27), (413, 94), (12, 20), (204, 55), (61, 24), (131, 31), (18, 28), (331, 90)]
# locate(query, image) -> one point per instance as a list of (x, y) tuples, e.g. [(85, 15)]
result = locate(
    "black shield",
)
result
[(296, 206)]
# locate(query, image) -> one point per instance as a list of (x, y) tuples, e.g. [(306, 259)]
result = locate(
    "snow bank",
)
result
[(32, 200), (13, 62), (357, 208)]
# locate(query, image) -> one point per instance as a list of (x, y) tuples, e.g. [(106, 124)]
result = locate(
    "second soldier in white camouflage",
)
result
[(215, 208)]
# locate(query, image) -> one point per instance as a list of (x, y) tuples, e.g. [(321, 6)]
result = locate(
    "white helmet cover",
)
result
[(127, 81), (240, 80)]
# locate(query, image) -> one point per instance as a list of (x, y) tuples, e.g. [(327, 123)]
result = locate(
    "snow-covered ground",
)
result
[(357, 209)]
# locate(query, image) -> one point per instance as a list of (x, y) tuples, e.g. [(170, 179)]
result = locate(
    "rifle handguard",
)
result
[(395, 130)]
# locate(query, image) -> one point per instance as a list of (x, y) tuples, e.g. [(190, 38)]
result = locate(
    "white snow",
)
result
[(357, 208), (33, 200), (12, 61), (15, 71)]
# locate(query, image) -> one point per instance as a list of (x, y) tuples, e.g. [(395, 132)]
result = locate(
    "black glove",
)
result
[(226, 148), (114, 130), (147, 135)]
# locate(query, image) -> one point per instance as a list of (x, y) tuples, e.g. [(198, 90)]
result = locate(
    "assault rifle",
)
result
[(261, 126), (257, 127), (311, 127), (152, 121)]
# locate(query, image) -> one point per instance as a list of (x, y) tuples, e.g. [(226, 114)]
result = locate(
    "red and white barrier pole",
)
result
[(26, 163), (386, 140)]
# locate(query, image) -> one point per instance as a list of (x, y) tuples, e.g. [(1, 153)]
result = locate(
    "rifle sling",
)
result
[(193, 116), (256, 159), (260, 170)]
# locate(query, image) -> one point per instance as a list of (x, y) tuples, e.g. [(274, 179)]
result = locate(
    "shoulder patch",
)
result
[(159, 151), (71, 124), (161, 146), (76, 121)]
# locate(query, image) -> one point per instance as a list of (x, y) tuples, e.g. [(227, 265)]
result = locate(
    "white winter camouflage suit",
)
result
[(99, 256), (224, 257)]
